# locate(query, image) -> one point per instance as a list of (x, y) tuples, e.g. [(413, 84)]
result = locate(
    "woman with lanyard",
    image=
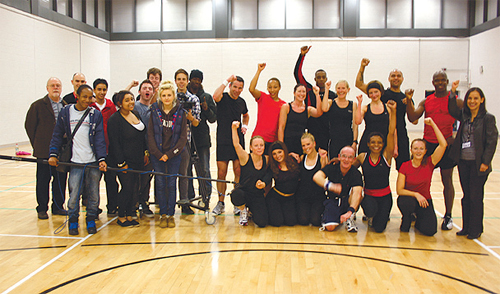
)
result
[(250, 192), (294, 115), (167, 137), (280, 200), (376, 165), (473, 149), (414, 184), (340, 113), (127, 149), (310, 196), (375, 114)]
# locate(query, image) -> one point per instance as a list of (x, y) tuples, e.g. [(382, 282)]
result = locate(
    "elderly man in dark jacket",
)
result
[(39, 125)]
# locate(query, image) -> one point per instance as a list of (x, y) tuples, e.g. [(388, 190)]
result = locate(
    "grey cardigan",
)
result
[(485, 134)]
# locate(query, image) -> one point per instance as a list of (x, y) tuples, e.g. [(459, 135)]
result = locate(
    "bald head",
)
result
[(54, 88), (78, 80), (396, 79), (440, 73)]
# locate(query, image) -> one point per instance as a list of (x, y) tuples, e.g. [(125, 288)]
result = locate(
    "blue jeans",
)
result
[(86, 180), (202, 167), (166, 184)]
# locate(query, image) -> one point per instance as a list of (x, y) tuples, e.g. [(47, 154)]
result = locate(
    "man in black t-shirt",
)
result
[(344, 185), (402, 148), (77, 80), (230, 107), (318, 126)]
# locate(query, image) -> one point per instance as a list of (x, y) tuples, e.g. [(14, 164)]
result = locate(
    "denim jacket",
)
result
[(96, 134)]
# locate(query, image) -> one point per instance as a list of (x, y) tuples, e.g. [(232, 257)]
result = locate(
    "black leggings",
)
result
[(281, 209), (127, 197), (379, 208), (426, 217), (309, 211), (256, 202)]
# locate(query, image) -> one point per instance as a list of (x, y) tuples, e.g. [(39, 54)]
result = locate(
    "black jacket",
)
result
[(485, 135)]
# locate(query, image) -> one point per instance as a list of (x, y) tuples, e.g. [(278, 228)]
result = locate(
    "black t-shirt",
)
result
[(229, 110), (401, 108), (319, 125), (351, 179), (70, 98)]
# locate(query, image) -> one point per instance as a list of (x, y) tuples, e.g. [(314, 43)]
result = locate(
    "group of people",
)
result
[(304, 155)]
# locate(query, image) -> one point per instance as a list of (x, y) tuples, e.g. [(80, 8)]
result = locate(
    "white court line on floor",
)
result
[(53, 260), (494, 247), (40, 236), (487, 248)]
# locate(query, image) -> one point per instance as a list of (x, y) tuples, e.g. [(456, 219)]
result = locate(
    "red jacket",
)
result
[(106, 112)]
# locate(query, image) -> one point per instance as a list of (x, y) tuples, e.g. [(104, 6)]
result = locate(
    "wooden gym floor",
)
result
[(227, 258)]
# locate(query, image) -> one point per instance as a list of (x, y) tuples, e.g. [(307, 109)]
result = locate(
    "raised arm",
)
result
[(441, 148), (455, 105), (326, 104), (412, 113), (256, 93), (132, 84), (389, 149), (285, 108), (242, 155), (354, 129), (297, 72), (358, 115), (220, 90), (318, 111), (360, 84)]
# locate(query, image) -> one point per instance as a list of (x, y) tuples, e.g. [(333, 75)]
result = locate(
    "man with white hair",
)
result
[(39, 125)]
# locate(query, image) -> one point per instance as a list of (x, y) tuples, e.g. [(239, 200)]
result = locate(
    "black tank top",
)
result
[(296, 124), (376, 176), (250, 175), (374, 123), (340, 120), (307, 187)]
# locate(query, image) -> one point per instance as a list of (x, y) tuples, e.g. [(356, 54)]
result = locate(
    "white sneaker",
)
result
[(350, 225), (447, 223), (243, 217), (219, 209), (236, 211)]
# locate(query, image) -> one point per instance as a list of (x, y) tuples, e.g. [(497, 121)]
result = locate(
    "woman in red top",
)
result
[(414, 184), (269, 106)]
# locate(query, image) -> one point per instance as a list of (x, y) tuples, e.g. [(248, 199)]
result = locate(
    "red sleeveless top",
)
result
[(437, 109)]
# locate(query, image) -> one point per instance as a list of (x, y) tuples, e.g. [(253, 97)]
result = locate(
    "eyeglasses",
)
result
[(345, 156)]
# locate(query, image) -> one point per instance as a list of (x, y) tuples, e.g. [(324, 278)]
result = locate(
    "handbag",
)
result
[(66, 149)]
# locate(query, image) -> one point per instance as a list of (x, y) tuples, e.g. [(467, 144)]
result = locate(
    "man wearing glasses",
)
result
[(344, 185)]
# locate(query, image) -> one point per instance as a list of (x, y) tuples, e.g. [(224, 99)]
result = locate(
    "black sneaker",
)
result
[(147, 212), (447, 223), (73, 229), (43, 215), (91, 229), (187, 210), (60, 212), (112, 213)]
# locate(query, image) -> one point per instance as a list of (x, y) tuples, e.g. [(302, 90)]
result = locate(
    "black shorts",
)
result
[(446, 162), (226, 153)]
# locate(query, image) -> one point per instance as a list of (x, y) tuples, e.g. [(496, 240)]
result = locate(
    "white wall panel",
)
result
[(33, 50), (484, 54), (131, 61), (95, 59)]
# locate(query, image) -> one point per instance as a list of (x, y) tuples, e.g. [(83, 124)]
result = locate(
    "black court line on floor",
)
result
[(264, 250), (286, 243), (33, 248)]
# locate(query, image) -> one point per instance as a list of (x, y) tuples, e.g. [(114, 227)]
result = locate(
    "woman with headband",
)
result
[(375, 114)]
